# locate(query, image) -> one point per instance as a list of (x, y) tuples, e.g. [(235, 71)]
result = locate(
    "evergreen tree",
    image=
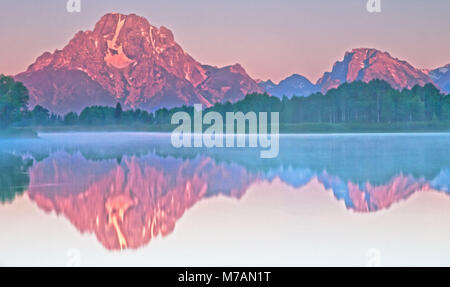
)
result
[(118, 112), (13, 100)]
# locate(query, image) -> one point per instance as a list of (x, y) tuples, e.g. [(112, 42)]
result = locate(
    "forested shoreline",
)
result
[(351, 106)]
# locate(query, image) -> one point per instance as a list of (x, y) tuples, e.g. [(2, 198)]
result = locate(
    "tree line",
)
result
[(356, 102)]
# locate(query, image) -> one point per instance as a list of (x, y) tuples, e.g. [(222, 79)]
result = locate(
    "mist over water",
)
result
[(120, 196)]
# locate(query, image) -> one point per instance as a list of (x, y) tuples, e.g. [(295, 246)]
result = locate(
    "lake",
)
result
[(131, 199)]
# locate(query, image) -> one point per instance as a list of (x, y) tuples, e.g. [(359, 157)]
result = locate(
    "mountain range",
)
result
[(125, 59), (362, 64)]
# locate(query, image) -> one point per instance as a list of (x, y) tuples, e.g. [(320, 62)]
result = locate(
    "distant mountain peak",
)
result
[(366, 64), (294, 85), (295, 79), (441, 77), (126, 59)]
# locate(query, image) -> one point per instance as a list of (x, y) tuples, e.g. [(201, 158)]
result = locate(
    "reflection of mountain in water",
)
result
[(126, 204), (129, 194)]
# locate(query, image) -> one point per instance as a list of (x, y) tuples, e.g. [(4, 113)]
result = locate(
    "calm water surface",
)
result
[(132, 199)]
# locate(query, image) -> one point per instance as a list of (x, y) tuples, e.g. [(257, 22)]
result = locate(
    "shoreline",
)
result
[(304, 128), (285, 129), (18, 133)]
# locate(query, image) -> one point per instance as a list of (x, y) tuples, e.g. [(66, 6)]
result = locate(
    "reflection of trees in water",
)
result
[(359, 159), (14, 177)]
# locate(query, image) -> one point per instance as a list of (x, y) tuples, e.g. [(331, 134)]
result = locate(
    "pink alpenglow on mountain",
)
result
[(365, 65), (368, 64), (125, 59)]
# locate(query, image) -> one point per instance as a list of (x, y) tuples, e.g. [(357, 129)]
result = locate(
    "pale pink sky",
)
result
[(271, 39)]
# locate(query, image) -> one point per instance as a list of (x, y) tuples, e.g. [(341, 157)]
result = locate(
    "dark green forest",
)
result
[(375, 102), (357, 102)]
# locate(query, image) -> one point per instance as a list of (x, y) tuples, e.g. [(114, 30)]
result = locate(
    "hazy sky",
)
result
[(270, 38)]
